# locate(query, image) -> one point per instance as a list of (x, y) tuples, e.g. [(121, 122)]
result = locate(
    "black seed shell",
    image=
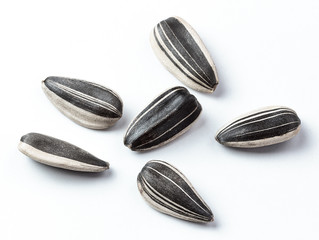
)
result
[(181, 51), (55, 152), (167, 117), (86, 103), (263, 127), (166, 189)]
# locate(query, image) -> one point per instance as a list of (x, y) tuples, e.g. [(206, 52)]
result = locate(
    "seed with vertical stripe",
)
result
[(60, 154), (86, 103), (266, 126), (180, 49), (167, 190), (167, 117)]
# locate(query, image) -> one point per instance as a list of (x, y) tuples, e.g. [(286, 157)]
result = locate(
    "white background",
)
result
[(266, 53)]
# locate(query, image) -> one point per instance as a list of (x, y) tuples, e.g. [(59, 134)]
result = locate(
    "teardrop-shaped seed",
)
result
[(167, 117), (167, 190), (180, 49), (60, 154), (88, 104), (266, 126)]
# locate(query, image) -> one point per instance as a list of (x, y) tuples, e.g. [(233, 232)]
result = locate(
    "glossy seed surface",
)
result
[(60, 154), (180, 49), (266, 126), (167, 117), (86, 103), (167, 190)]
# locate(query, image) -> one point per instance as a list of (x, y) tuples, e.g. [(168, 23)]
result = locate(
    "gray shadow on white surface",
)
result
[(219, 91), (209, 225), (173, 220), (120, 125)]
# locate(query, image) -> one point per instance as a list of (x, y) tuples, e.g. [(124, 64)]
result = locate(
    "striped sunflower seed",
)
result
[(266, 126), (167, 190), (167, 117), (180, 49), (88, 104), (60, 154)]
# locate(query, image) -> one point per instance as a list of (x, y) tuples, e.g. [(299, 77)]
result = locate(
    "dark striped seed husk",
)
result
[(167, 190), (60, 154), (266, 126), (88, 104), (180, 49), (167, 117)]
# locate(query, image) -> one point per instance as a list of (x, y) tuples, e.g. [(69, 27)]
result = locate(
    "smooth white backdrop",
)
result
[(266, 53)]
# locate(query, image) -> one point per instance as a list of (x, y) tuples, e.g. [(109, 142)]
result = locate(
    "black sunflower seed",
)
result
[(180, 49), (60, 154), (266, 126), (167, 117), (167, 190), (86, 103)]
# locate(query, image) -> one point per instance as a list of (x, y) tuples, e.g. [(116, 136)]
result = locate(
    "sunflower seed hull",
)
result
[(180, 49), (88, 104), (260, 128), (167, 190), (167, 117), (60, 154)]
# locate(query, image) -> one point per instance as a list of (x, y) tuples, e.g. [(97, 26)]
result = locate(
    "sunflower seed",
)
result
[(60, 154), (86, 103), (167, 117), (167, 190), (180, 49), (266, 126)]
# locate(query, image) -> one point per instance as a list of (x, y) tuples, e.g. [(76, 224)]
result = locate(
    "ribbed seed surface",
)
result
[(86, 103), (167, 190), (164, 119), (181, 51), (263, 127)]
